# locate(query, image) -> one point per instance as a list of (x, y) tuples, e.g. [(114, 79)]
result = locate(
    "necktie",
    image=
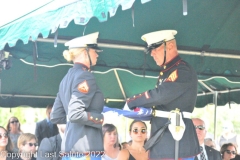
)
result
[(50, 126), (202, 156)]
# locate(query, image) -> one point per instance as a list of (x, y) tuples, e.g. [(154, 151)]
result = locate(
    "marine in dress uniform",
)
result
[(79, 101), (176, 88)]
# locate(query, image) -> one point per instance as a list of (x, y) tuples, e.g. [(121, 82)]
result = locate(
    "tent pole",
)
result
[(48, 97), (142, 48), (225, 91), (107, 99), (25, 96), (120, 84), (210, 89), (215, 113), (209, 54)]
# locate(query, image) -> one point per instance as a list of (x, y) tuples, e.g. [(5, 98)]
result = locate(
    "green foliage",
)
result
[(223, 113), (23, 113)]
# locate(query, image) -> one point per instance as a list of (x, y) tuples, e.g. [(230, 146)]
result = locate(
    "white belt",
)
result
[(166, 114), (67, 118)]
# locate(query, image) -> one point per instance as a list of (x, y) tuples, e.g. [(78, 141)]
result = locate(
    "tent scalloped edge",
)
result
[(52, 20)]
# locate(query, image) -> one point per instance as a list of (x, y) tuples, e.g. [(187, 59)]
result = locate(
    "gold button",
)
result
[(96, 119), (140, 94), (101, 120), (164, 67), (134, 96), (91, 117), (161, 73), (128, 99)]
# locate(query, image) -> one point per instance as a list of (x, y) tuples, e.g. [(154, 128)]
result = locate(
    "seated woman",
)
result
[(135, 150), (6, 145), (228, 151), (110, 142), (27, 144), (14, 130)]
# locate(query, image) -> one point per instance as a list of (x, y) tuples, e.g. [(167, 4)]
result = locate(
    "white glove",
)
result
[(126, 108)]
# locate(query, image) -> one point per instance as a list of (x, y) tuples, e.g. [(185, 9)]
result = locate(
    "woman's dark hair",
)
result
[(109, 128), (120, 146), (9, 146), (225, 146), (8, 124), (135, 121)]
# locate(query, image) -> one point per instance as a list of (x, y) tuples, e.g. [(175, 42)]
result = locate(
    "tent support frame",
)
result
[(215, 114), (108, 99), (120, 84), (142, 48)]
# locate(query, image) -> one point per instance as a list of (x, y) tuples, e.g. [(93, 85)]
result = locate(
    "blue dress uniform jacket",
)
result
[(79, 103), (176, 88)]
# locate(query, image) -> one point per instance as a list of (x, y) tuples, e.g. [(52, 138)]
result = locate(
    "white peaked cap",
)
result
[(83, 41), (157, 36)]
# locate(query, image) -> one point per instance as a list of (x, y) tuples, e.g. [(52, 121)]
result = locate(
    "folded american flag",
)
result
[(139, 113)]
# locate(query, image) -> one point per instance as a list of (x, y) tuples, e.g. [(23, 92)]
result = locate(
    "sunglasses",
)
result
[(5, 135), (229, 152), (143, 131), (32, 144), (16, 121), (201, 127)]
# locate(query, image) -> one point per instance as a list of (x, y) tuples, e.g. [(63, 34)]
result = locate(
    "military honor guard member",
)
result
[(175, 92), (79, 102)]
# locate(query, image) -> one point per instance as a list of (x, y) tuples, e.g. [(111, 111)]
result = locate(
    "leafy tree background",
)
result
[(27, 116), (223, 113)]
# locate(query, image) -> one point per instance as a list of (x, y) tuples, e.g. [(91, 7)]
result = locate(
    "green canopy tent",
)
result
[(207, 38)]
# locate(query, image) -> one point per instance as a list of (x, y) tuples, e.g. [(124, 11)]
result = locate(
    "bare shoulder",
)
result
[(123, 155)]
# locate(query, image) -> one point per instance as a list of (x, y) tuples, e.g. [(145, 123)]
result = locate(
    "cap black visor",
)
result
[(154, 46), (94, 46)]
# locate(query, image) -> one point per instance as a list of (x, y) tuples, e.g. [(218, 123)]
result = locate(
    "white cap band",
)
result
[(83, 41), (158, 36)]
